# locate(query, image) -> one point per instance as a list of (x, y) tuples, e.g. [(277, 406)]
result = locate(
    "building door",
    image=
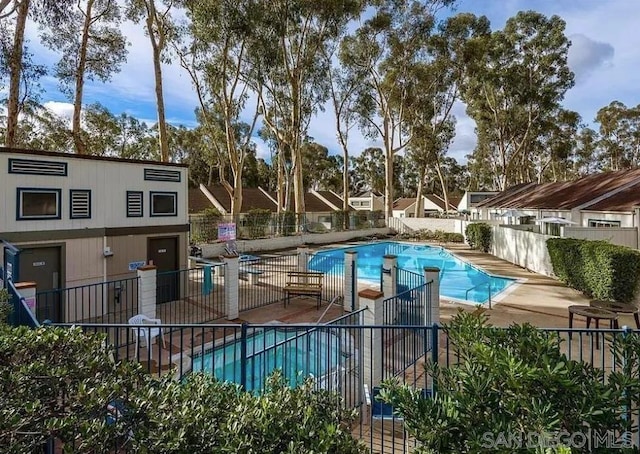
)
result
[(164, 254), (42, 265)]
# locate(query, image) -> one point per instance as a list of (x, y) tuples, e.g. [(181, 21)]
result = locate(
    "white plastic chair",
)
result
[(147, 333)]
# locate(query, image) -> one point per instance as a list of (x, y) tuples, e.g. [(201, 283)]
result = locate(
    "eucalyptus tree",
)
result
[(369, 170), (291, 38), (517, 85), (586, 156), (386, 55), (553, 147), (13, 22), (217, 59), (160, 29), (91, 46), (448, 54), (620, 134)]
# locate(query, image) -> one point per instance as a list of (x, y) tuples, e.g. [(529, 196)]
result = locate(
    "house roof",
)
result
[(403, 203), (333, 198), (625, 200), (87, 156), (439, 201), (366, 194), (252, 198), (198, 202), (313, 203), (569, 195), (454, 201)]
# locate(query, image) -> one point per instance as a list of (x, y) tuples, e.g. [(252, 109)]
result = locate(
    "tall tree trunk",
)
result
[(444, 187), (419, 208), (82, 63), (157, 45), (15, 70), (388, 178)]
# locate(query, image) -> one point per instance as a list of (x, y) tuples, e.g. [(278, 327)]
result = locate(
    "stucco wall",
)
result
[(526, 249), (406, 225), (622, 236)]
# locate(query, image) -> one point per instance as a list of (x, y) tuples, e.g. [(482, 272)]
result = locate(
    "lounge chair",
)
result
[(232, 249), (142, 326)]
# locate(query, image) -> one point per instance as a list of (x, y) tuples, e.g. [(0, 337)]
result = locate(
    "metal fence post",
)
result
[(350, 279), (243, 355), (435, 328)]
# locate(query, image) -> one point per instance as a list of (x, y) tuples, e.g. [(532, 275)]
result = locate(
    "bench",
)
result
[(307, 283)]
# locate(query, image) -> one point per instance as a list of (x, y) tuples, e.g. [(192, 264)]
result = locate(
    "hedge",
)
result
[(479, 236), (599, 269)]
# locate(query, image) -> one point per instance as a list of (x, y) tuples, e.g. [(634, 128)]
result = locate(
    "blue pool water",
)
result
[(458, 279), (297, 355)]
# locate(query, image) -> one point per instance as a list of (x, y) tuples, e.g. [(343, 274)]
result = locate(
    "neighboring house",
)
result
[(367, 201), (79, 219), (471, 199), (319, 205), (432, 204), (609, 199)]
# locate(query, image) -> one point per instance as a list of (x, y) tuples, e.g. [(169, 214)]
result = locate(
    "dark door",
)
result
[(42, 265), (164, 254)]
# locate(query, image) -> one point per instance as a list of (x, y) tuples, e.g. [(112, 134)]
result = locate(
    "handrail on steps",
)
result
[(466, 295)]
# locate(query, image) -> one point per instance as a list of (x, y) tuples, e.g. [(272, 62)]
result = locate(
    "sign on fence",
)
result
[(227, 232)]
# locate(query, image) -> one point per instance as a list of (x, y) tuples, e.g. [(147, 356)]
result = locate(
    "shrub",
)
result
[(5, 306), (57, 382), (601, 270), (479, 236), (256, 222), (439, 235), (513, 382), (287, 223)]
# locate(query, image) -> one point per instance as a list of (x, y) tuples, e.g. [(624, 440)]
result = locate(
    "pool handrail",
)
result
[(466, 294)]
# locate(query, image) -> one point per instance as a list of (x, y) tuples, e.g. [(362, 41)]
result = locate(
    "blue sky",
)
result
[(605, 57)]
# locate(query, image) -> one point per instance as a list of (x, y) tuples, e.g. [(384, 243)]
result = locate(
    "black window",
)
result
[(33, 204), (134, 204), (164, 204)]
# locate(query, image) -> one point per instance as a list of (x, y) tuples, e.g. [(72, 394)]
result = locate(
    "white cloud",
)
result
[(587, 55)]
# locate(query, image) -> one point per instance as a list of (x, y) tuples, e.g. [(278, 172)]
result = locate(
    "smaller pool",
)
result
[(298, 355), (458, 279)]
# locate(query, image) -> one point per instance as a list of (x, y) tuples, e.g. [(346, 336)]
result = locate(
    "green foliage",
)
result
[(479, 236), (287, 223), (5, 306), (58, 382), (599, 269), (340, 220), (256, 222), (439, 236), (204, 228), (512, 381)]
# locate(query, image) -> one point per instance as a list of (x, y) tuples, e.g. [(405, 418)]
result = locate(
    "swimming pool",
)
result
[(298, 355), (458, 279)]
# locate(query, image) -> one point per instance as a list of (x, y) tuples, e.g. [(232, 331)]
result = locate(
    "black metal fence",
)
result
[(262, 279), (195, 295), (103, 302), (333, 269), (204, 228)]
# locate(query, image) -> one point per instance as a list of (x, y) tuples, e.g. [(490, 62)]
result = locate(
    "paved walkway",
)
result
[(539, 300)]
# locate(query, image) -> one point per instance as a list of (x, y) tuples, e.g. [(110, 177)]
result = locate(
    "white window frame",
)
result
[(20, 216), (152, 212)]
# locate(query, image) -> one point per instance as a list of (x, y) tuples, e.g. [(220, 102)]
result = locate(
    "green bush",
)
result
[(601, 270), (57, 383), (440, 236), (479, 236), (515, 382), (287, 223), (5, 306), (256, 222)]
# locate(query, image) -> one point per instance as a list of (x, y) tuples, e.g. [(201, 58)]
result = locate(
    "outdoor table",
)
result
[(595, 313), (618, 308)]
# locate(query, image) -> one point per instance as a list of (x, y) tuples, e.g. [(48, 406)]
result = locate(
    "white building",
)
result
[(79, 219)]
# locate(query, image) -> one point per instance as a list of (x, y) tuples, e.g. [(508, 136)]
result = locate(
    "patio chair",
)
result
[(149, 333)]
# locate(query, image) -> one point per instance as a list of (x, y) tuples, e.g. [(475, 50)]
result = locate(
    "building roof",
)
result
[(315, 204), (56, 154), (403, 203), (625, 200), (198, 202), (454, 201), (582, 193), (366, 194), (439, 201), (252, 198), (333, 199)]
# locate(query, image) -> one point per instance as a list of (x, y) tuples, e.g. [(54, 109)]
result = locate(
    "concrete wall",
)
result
[(526, 249), (407, 225), (625, 219), (616, 235), (287, 242)]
